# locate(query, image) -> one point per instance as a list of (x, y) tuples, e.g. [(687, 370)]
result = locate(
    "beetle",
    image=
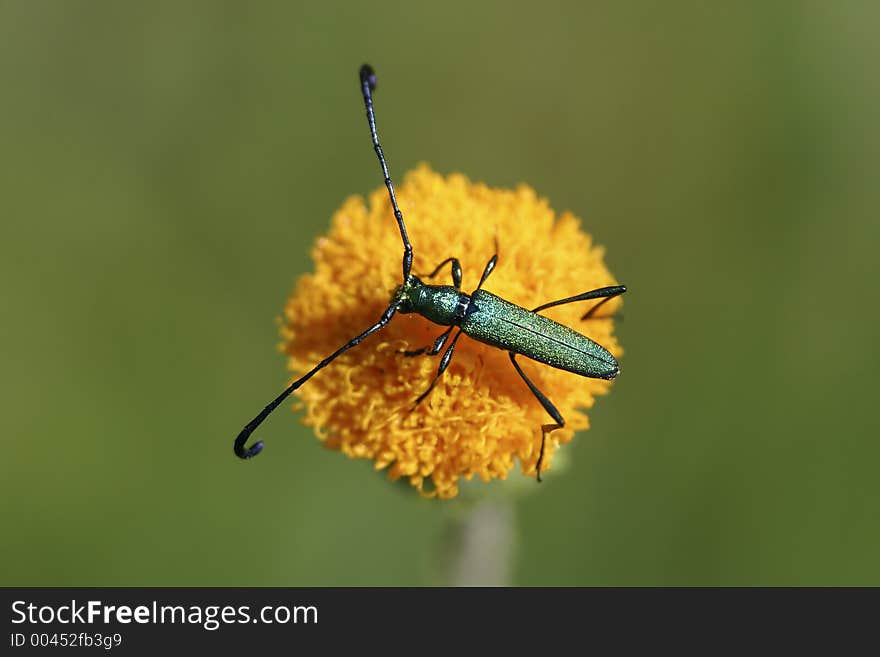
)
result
[(480, 315)]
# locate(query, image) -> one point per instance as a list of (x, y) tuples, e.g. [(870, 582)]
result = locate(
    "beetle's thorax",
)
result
[(442, 304)]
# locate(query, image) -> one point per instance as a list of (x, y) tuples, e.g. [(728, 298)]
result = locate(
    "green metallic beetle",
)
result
[(480, 315)]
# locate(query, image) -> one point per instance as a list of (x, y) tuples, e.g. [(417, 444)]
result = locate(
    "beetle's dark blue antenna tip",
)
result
[(368, 75), (243, 452)]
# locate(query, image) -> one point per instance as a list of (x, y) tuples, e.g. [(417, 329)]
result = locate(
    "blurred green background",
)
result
[(165, 168)]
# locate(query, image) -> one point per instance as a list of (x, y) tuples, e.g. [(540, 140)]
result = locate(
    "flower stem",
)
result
[(481, 545)]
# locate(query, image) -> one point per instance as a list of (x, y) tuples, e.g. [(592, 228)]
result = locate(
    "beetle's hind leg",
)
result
[(603, 293), (548, 406), (590, 314)]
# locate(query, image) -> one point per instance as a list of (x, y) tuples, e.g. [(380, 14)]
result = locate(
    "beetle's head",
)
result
[(407, 296)]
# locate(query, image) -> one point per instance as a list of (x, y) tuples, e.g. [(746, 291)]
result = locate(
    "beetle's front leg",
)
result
[(456, 272)]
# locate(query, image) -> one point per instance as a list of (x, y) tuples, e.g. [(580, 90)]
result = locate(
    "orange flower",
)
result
[(481, 417)]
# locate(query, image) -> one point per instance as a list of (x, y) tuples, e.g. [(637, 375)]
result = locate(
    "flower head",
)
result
[(481, 417)]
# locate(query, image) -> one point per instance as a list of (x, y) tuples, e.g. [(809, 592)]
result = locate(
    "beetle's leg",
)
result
[(488, 270), (548, 406), (456, 272), (591, 312), (444, 363), (434, 349), (604, 293)]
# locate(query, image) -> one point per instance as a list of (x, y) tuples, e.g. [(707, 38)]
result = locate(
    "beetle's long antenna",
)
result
[(368, 85), (243, 452)]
